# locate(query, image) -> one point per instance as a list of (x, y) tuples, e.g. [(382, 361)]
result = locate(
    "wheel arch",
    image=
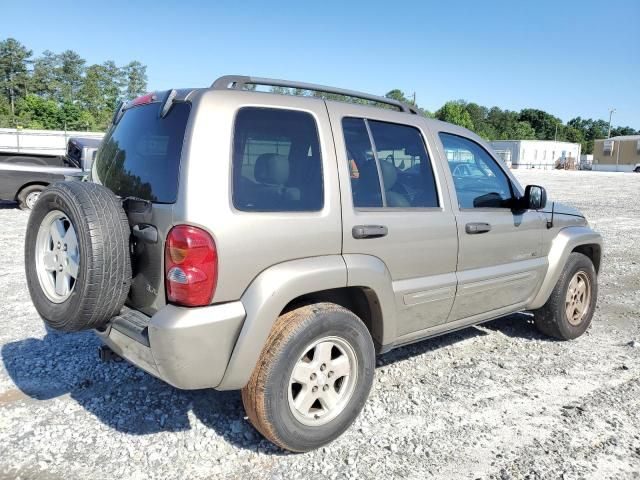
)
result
[(593, 251), (299, 282), (363, 301), (568, 240), (30, 184)]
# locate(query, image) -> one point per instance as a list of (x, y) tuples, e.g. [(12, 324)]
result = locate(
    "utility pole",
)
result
[(611, 112)]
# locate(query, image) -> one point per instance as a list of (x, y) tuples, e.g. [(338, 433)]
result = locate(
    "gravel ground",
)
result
[(496, 401)]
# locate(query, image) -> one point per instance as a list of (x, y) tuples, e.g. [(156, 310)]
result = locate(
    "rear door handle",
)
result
[(369, 231), (477, 227)]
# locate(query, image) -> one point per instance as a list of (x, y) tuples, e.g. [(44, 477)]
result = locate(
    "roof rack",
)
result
[(238, 82)]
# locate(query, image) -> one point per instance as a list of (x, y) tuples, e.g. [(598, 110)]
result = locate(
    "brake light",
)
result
[(143, 100), (191, 266)]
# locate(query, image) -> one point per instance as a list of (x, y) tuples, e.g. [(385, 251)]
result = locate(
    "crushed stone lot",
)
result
[(497, 401)]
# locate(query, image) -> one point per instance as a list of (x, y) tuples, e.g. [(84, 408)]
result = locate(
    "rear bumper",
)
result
[(188, 348)]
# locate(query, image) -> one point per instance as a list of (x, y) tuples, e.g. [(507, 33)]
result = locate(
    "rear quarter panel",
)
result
[(250, 242)]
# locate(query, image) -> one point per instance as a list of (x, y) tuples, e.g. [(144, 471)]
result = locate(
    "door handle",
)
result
[(369, 231), (477, 227)]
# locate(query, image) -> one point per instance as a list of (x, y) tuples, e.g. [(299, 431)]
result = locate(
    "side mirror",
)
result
[(535, 197)]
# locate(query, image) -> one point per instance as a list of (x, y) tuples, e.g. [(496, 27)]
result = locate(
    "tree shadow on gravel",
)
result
[(135, 403)]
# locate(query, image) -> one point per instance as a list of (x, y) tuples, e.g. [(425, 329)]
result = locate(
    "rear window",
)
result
[(140, 156)]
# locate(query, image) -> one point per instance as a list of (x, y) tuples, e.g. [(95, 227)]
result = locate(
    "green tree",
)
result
[(397, 94), (454, 112), (6, 119), (69, 75), (44, 79), (135, 79), (542, 122), (37, 112), (100, 92), (111, 84), (520, 131), (619, 131), (14, 59)]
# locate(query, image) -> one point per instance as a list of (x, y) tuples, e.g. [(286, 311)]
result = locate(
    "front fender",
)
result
[(266, 297), (563, 244)]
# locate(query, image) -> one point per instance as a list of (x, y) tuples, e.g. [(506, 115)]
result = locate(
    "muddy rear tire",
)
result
[(313, 377), (77, 261)]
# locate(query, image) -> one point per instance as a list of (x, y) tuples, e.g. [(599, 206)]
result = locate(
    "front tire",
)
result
[(570, 308), (313, 377)]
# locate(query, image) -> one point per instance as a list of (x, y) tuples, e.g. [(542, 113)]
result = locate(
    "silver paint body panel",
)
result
[(427, 276)]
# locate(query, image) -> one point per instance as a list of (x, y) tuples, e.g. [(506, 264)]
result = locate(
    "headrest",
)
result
[(272, 169), (389, 174), (369, 174)]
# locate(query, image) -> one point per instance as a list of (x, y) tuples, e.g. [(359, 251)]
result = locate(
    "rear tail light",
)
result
[(191, 266)]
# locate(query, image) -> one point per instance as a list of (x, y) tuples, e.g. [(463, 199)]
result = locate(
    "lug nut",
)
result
[(325, 388), (322, 367), (314, 389), (313, 376), (330, 374)]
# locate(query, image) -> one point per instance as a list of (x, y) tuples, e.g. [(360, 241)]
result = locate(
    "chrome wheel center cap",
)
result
[(321, 378)]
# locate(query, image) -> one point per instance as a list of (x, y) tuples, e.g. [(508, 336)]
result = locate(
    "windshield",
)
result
[(140, 155)]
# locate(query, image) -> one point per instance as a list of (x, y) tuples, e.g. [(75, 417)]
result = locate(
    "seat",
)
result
[(390, 178), (271, 191), (368, 194)]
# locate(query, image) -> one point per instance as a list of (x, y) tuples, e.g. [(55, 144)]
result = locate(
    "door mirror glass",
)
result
[(535, 197)]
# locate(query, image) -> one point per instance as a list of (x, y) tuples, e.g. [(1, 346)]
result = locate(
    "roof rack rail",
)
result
[(239, 81)]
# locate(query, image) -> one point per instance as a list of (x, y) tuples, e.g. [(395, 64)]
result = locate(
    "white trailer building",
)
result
[(543, 154)]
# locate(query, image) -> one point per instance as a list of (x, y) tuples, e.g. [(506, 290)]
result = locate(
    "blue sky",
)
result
[(570, 58)]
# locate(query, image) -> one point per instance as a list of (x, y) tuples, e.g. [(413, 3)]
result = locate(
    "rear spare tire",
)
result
[(77, 259)]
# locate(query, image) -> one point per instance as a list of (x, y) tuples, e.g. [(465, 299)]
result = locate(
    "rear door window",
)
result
[(277, 165), (392, 157), (140, 156)]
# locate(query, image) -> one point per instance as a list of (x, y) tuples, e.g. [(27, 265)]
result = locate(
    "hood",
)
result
[(562, 209)]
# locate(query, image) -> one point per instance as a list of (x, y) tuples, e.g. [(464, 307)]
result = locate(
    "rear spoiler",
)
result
[(166, 98)]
